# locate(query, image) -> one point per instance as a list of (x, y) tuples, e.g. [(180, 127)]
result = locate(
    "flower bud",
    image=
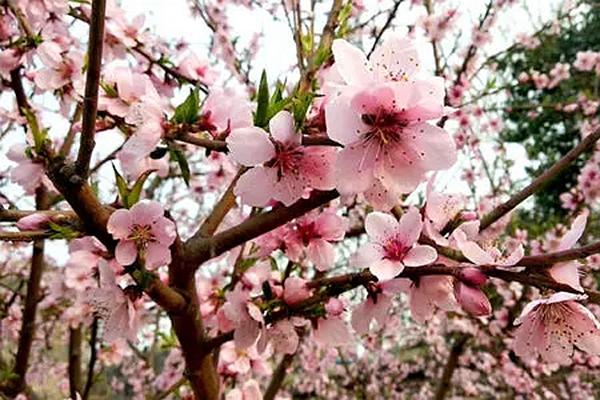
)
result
[(33, 222), (472, 276), (295, 290), (472, 299)]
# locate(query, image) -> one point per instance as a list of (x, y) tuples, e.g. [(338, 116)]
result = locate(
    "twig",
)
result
[(539, 182), (386, 26)]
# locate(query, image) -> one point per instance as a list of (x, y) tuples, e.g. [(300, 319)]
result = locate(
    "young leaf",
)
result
[(134, 194), (178, 156), (187, 112), (121, 187), (262, 100)]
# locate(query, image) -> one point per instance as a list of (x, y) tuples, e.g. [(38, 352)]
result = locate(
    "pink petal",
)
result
[(126, 252), (145, 212), (164, 231), (351, 63), (321, 253), (410, 225), (355, 168), (119, 224), (250, 146), (435, 148), (255, 186), (420, 255), (385, 269), (396, 59), (367, 254), (381, 226), (567, 273), (331, 332), (572, 236), (318, 167), (380, 197), (282, 128), (344, 125), (157, 254)]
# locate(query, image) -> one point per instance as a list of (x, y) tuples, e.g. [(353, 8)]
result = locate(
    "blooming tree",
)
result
[(179, 222)]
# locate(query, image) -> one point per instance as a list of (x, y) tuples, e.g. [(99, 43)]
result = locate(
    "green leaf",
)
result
[(121, 187), (187, 112), (178, 156), (135, 192), (39, 135), (262, 99), (62, 232), (300, 107)]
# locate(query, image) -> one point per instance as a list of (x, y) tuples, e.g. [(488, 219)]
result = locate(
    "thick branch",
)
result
[(75, 378), (90, 100), (200, 250)]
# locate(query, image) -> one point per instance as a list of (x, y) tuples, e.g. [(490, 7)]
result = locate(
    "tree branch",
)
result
[(542, 180), (92, 81)]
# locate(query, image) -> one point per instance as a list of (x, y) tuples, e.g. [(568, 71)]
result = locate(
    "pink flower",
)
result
[(380, 118), (224, 111), (393, 245), (245, 317), (376, 306), (114, 306), (85, 254), (143, 231), (295, 290), (9, 60), (249, 391), (312, 234), (586, 60), (197, 69), (428, 293), (332, 330), (283, 337), (440, 209), (551, 327), (567, 272), (483, 253), (27, 173), (60, 69), (283, 169)]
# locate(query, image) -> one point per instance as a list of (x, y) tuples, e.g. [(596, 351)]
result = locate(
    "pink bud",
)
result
[(295, 290), (334, 307), (472, 276), (472, 300), (33, 222)]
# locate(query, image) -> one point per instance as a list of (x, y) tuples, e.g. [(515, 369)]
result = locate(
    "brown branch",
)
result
[(93, 358), (221, 145), (278, 376), (544, 260), (24, 236), (225, 203), (21, 19), (17, 382), (75, 378), (55, 215), (327, 37), (451, 364), (386, 26), (541, 181), (200, 250), (92, 82), (334, 286)]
